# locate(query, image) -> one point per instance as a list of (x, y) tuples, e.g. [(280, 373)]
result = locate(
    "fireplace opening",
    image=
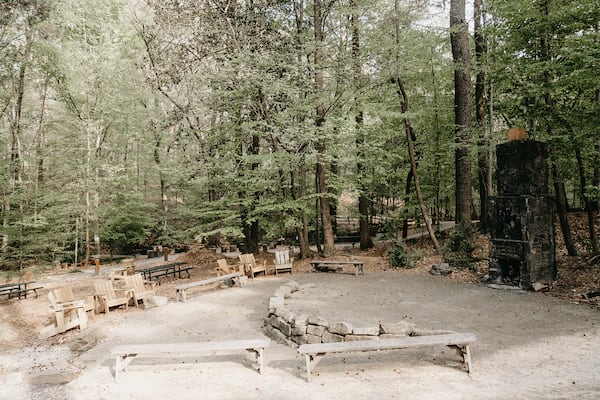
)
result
[(510, 271)]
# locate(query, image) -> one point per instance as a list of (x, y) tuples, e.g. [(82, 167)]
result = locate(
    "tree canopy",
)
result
[(127, 124)]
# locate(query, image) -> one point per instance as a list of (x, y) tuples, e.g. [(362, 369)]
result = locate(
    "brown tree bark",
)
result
[(461, 55), (410, 137), (561, 206), (321, 169), (302, 231), (364, 226), (480, 111), (586, 201)]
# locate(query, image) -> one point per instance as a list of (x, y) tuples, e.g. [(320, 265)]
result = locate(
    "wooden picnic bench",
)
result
[(165, 270), (348, 239), (328, 265), (19, 289), (125, 353), (315, 352), (180, 289)]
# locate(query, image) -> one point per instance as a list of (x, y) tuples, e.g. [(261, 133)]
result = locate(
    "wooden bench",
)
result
[(460, 341), (348, 239), (180, 289), (19, 289), (165, 270), (126, 353), (328, 265)]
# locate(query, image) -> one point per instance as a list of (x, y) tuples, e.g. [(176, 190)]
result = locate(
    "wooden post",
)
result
[(166, 253), (96, 266)]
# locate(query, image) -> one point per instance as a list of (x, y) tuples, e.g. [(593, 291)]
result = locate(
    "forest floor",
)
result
[(531, 345)]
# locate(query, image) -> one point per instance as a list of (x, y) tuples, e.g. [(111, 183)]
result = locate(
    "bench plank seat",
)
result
[(314, 352), (19, 289), (174, 269), (358, 265), (180, 294), (126, 353)]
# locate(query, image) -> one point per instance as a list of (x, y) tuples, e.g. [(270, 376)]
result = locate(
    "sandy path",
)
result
[(530, 346)]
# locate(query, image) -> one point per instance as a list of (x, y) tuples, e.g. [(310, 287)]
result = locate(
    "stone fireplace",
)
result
[(522, 216)]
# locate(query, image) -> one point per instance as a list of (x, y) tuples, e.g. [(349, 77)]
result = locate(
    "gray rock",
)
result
[(354, 338), (315, 330), (441, 269), (398, 328), (298, 330), (300, 339), (285, 327), (316, 320), (329, 337), (301, 319), (311, 339), (366, 330), (340, 328)]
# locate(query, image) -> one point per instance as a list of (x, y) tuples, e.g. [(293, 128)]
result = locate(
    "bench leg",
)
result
[(122, 361), (261, 360), (465, 352), (311, 362), (259, 354)]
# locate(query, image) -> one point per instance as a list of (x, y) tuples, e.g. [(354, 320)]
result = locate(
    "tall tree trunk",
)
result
[(436, 157), (483, 149), (364, 227), (16, 146), (586, 201), (561, 206), (407, 187), (410, 138), (301, 231), (250, 225), (561, 198), (461, 55), (321, 167)]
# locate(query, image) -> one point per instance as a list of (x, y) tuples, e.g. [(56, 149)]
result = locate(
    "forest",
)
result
[(129, 123)]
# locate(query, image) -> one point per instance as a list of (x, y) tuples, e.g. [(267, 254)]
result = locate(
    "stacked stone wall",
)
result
[(285, 326)]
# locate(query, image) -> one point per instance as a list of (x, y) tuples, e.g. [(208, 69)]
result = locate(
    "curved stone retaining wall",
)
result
[(285, 326)]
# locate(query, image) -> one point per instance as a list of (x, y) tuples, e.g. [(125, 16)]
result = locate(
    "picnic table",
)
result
[(329, 265), (19, 289), (172, 269)]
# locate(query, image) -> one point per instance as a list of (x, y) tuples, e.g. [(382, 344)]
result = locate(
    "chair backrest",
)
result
[(222, 263), (105, 287), (135, 282), (63, 294), (248, 259), (282, 257), (52, 299)]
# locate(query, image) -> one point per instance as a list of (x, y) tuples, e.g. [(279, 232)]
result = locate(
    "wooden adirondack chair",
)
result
[(283, 263), (64, 294), (107, 296), (226, 269), (248, 262), (140, 289), (67, 315)]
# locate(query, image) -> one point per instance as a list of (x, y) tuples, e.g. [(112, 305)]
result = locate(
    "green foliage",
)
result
[(458, 251), (127, 227), (401, 256)]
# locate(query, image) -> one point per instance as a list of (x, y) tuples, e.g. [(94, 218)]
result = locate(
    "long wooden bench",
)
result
[(126, 353), (315, 352), (173, 269), (180, 289), (19, 289), (316, 265)]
